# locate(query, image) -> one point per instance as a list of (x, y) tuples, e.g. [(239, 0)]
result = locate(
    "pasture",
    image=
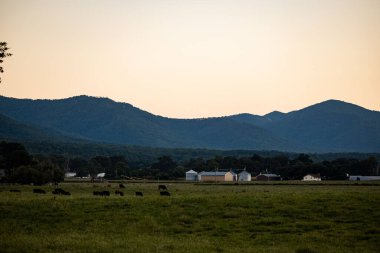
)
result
[(344, 217)]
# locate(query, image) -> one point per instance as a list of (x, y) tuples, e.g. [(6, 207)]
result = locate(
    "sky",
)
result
[(194, 58)]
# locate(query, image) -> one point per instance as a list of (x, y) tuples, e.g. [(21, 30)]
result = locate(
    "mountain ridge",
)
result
[(328, 126), (103, 120)]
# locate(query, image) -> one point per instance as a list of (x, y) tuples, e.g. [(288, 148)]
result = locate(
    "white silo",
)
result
[(191, 175), (244, 176)]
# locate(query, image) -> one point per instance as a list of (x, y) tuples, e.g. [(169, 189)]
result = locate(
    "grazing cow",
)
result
[(162, 187), (165, 193), (101, 193), (105, 193), (121, 186), (12, 190), (139, 194), (60, 191), (40, 191), (117, 192)]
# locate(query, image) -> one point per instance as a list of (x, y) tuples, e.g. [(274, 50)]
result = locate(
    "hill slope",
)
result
[(13, 130), (101, 119), (330, 126), (334, 126)]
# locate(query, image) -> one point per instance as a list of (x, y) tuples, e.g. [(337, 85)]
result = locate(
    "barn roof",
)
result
[(314, 175), (244, 172), (269, 175), (101, 174), (192, 172)]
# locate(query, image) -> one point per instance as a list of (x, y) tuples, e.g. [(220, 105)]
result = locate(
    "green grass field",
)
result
[(196, 218)]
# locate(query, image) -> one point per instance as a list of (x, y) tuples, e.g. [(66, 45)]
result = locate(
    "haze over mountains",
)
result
[(330, 126)]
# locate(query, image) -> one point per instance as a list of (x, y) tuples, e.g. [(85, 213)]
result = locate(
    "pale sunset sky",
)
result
[(189, 59)]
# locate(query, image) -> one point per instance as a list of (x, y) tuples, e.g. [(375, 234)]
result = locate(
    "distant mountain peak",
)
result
[(334, 105), (274, 114)]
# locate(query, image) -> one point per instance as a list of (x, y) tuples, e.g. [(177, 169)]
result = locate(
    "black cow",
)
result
[(60, 191), (139, 194), (121, 186), (165, 193), (117, 192), (101, 193), (12, 190), (105, 193), (40, 191), (162, 187)]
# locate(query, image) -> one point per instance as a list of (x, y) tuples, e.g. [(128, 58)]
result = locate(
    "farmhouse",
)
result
[(244, 176), (223, 176), (191, 175), (268, 177), (312, 177)]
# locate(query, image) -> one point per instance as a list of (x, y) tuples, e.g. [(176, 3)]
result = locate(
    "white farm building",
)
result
[(312, 177), (100, 175), (191, 175), (222, 176), (70, 174), (363, 178), (244, 176)]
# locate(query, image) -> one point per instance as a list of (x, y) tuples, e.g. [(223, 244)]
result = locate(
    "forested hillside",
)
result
[(101, 119), (330, 126)]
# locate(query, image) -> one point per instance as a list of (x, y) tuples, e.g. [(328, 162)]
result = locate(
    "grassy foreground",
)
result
[(196, 218)]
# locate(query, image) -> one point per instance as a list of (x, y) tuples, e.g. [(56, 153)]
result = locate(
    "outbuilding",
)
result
[(101, 175), (191, 175), (245, 176), (312, 177), (234, 176), (363, 178), (70, 174), (268, 177), (222, 176)]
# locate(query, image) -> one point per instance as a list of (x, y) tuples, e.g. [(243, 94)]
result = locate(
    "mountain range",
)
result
[(330, 126)]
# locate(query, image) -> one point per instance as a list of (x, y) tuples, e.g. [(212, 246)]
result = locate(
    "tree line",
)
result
[(18, 166), (21, 167)]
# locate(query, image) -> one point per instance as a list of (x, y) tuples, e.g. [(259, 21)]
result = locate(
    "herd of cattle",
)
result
[(58, 191)]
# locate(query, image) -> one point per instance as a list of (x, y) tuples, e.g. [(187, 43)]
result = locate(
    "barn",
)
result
[(312, 177), (268, 177), (363, 178), (191, 175), (222, 176), (245, 176)]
